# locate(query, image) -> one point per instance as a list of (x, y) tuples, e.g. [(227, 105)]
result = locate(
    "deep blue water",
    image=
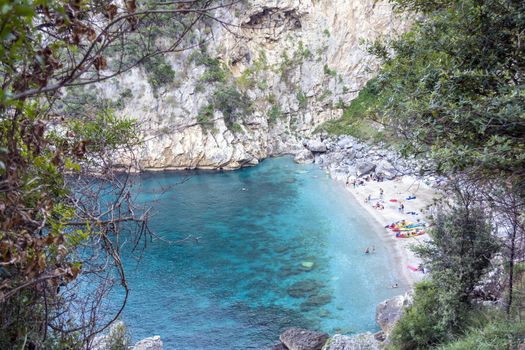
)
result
[(258, 231)]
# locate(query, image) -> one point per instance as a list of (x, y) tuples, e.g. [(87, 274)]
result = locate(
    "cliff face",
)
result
[(292, 63)]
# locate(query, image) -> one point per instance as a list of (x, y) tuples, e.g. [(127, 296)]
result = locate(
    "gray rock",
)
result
[(364, 168), (151, 343), (345, 142), (364, 341), (304, 157), (315, 146), (387, 169), (303, 339), (279, 346), (390, 311)]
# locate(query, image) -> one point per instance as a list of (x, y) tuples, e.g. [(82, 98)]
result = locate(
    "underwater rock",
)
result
[(303, 339), (304, 288), (315, 302), (307, 264)]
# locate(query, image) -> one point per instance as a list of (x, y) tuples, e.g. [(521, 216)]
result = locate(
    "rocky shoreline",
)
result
[(388, 313), (344, 158)]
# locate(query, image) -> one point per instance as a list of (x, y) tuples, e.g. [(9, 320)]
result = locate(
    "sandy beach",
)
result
[(399, 189)]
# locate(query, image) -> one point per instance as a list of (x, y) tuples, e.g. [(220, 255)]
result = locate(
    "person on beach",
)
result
[(367, 250), (401, 208), (381, 193)]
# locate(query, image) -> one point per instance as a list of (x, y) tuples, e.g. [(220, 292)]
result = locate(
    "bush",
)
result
[(274, 113), (118, 337), (497, 335), (420, 328), (214, 71), (231, 103), (159, 72), (356, 119), (205, 116), (328, 71), (303, 99)]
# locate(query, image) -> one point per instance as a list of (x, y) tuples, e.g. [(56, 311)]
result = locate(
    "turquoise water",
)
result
[(247, 277)]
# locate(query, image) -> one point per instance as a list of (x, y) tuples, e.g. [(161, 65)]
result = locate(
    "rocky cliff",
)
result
[(257, 86)]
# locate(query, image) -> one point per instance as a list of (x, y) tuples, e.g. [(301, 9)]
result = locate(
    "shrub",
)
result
[(274, 113), (214, 71), (328, 71), (303, 100), (231, 103), (205, 116), (118, 337), (420, 328), (493, 336), (158, 72)]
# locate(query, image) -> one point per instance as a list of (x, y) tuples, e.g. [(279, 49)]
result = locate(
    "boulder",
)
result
[(390, 311), (345, 142), (364, 168), (151, 343), (363, 341), (387, 169), (303, 339), (315, 146), (304, 157)]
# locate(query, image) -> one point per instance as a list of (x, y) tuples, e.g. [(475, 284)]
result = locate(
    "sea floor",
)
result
[(271, 247)]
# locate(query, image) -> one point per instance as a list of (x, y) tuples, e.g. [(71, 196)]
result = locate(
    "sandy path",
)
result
[(398, 189)]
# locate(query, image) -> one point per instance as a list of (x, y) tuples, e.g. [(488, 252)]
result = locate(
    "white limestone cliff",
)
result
[(305, 59)]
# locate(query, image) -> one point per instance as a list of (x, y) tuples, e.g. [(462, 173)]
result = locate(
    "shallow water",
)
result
[(248, 276)]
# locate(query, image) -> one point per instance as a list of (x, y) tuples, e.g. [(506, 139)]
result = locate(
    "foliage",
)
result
[(302, 53), (356, 118), (495, 335), (231, 103), (159, 72), (236, 127), (214, 68), (302, 99), (457, 257), (57, 220), (214, 71), (454, 87), (328, 71), (420, 326), (205, 116), (461, 249), (274, 113), (118, 337), (246, 80)]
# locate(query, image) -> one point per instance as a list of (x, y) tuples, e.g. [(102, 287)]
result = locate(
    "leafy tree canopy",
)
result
[(63, 209), (454, 86)]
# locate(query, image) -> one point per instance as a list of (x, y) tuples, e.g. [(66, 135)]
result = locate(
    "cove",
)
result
[(279, 245)]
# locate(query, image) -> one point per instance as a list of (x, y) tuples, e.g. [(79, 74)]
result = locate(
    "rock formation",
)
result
[(295, 62)]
